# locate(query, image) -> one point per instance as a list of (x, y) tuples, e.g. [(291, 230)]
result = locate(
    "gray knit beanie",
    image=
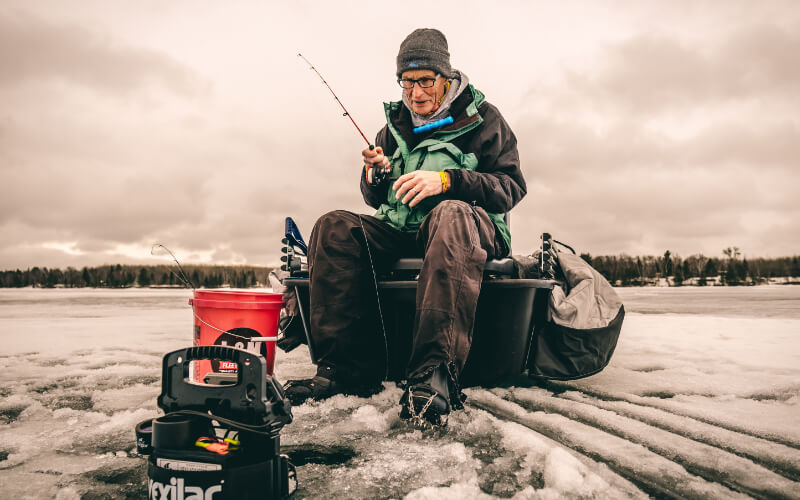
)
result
[(424, 48)]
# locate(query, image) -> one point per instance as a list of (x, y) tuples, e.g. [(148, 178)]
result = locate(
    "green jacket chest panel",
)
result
[(430, 155), (434, 154)]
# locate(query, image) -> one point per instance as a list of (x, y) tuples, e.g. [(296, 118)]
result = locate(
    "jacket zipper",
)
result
[(421, 159)]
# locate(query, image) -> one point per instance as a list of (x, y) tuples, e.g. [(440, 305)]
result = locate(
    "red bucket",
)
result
[(232, 318)]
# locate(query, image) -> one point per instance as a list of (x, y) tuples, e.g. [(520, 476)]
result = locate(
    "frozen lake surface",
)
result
[(701, 399)]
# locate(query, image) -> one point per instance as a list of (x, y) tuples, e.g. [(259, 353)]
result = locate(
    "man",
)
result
[(453, 172)]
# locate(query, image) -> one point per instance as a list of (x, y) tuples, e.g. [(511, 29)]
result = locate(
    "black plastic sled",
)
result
[(514, 331)]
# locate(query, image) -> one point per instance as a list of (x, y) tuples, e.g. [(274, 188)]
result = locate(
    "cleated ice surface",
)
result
[(701, 399)]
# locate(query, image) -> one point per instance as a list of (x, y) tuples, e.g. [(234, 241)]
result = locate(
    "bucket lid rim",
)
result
[(231, 304)]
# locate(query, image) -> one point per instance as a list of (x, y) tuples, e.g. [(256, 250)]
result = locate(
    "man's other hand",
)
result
[(415, 186)]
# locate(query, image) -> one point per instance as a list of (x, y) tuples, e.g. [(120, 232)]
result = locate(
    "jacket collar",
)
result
[(464, 111)]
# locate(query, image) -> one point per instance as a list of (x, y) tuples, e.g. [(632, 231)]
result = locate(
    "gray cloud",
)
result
[(656, 73), (626, 185), (34, 49), (628, 189), (553, 144)]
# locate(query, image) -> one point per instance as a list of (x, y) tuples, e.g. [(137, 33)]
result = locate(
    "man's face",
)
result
[(423, 100)]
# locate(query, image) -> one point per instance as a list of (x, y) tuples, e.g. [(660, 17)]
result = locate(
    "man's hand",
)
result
[(374, 158), (418, 185)]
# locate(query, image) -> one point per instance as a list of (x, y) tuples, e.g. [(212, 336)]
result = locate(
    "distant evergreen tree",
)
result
[(86, 277), (677, 278), (757, 272), (667, 267), (111, 278), (732, 277), (710, 269), (71, 277), (628, 275), (18, 280), (35, 277), (144, 277), (53, 277)]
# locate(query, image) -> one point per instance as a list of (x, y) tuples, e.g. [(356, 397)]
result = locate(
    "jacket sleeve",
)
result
[(497, 184), (375, 196)]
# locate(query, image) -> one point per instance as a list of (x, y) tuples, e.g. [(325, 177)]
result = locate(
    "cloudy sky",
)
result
[(642, 126)]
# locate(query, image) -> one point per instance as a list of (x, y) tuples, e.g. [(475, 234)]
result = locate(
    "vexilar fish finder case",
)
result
[(217, 442)]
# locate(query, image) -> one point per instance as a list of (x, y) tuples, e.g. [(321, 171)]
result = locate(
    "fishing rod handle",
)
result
[(379, 173)]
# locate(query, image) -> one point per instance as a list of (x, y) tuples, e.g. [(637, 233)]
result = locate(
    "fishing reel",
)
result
[(379, 176)]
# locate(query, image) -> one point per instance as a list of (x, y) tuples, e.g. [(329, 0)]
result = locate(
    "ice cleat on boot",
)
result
[(426, 403)]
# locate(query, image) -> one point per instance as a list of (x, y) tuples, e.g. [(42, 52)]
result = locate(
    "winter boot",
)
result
[(428, 401), (322, 386)]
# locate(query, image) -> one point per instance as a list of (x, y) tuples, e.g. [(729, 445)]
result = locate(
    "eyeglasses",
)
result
[(424, 83)]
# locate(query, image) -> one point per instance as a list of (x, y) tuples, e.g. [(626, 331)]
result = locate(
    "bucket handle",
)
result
[(251, 339)]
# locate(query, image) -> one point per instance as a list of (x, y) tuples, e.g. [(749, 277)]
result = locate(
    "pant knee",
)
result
[(335, 226), (449, 209), (332, 235), (331, 220), (450, 222)]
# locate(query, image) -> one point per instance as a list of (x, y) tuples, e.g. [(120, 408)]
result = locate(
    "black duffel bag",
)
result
[(584, 319)]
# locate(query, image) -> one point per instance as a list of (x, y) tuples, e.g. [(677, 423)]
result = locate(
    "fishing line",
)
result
[(188, 283), (251, 339), (377, 296), (185, 279), (378, 176)]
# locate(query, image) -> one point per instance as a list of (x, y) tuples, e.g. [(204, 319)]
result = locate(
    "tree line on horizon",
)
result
[(624, 270), (730, 270), (128, 276)]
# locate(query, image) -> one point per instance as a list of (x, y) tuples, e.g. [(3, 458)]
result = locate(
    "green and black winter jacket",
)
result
[(478, 150)]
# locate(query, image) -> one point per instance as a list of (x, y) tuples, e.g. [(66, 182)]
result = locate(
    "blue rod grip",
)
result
[(433, 125)]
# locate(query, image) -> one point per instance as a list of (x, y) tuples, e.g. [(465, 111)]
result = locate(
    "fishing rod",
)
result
[(378, 175)]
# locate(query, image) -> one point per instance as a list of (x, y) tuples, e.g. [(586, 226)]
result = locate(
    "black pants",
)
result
[(455, 240)]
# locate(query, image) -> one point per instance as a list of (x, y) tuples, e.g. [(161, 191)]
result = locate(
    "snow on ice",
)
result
[(700, 400)]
